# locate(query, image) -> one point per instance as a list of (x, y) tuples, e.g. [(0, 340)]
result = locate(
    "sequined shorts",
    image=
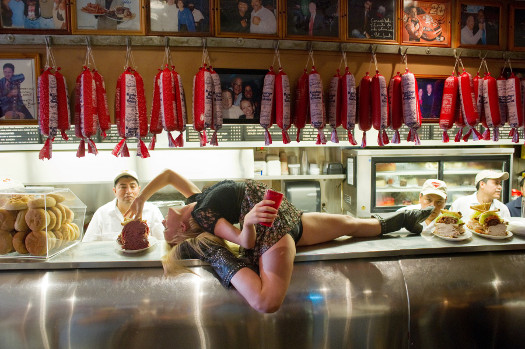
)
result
[(288, 221)]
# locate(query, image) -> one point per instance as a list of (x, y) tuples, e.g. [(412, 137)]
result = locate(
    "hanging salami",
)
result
[(267, 116), (379, 108), (395, 101), (514, 106), (202, 101), (411, 107), (348, 104), (334, 105), (316, 104), (469, 105), (301, 103), (491, 108), (283, 116), (448, 105), (216, 115)]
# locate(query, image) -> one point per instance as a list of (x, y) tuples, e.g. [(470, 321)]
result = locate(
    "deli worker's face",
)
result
[(432, 200), (126, 190), (492, 188)]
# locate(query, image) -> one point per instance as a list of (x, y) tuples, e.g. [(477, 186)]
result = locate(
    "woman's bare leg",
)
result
[(266, 293), (321, 227)]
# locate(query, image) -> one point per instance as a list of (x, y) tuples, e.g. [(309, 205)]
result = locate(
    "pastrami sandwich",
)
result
[(489, 223), (449, 224)]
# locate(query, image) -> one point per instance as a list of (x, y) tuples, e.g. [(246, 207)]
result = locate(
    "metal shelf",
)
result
[(213, 42)]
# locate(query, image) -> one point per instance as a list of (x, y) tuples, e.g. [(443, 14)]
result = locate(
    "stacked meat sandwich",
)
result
[(449, 224), (484, 221)]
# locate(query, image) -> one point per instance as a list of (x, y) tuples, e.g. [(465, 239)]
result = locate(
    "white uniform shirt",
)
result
[(106, 222), (463, 204), (268, 24), (427, 228)]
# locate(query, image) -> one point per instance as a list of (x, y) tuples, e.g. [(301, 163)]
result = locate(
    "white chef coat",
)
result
[(268, 24), (463, 204), (106, 222), (427, 228)]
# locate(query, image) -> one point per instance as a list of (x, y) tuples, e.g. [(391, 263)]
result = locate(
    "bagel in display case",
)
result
[(39, 222)]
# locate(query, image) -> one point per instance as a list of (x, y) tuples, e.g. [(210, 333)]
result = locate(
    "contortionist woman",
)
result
[(262, 277)]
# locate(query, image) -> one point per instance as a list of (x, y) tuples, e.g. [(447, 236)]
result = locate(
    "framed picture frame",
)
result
[(113, 17), (35, 17), (179, 17), (313, 19), (18, 88), (430, 90), (478, 25), (426, 23), (372, 21), (517, 28), (241, 94), (248, 18)]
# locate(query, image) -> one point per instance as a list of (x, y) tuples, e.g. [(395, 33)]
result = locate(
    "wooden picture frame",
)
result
[(18, 88), (468, 17), (426, 23), (245, 88), (160, 16), (430, 90), (118, 17), (238, 18), (517, 27), (312, 20), (371, 21), (35, 17)]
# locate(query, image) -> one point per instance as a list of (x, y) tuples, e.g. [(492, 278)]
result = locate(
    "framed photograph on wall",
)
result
[(430, 90), (312, 19), (478, 25), (108, 17), (248, 18), (372, 21), (426, 23), (18, 88), (35, 17), (179, 17), (241, 94), (517, 28)]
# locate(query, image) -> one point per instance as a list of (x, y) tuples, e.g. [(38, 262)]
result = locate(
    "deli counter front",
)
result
[(382, 181)]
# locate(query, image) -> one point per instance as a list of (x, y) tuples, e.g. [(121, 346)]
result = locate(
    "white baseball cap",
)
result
[(434, 186), (491, 174), (126, 173)]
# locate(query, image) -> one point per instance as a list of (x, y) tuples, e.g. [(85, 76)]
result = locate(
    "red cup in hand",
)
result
[(277, 198)]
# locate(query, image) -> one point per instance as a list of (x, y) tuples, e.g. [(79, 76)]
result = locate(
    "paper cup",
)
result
[(277, 198)]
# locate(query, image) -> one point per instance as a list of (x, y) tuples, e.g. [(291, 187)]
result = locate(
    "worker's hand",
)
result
[(262, 212), (135, 210)]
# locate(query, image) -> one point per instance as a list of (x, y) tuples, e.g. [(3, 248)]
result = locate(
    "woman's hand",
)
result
[(135, 210), (262, 212)]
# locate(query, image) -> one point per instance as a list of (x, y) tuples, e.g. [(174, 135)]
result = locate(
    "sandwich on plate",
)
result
[(487, 222), (449, 224)]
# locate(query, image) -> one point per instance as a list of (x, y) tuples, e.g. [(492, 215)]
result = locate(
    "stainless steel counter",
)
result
[(105, 254), (392, 292)]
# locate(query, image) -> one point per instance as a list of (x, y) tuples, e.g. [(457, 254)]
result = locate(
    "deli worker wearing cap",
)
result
[(433, 193), (488, 186), (106, 222)]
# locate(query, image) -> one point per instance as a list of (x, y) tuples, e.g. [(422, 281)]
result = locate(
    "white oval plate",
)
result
[(466, 235), (516, 225), (152, 242), (493, 237)]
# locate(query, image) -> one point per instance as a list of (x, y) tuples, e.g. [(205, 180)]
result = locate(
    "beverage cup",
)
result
[(277, 198)]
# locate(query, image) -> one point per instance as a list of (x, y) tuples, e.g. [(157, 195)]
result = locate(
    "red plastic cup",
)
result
[(277, 198)]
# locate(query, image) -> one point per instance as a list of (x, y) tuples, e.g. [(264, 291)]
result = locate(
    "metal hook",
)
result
[(372, 48), (276, 45), (48, 41), (88, 42), (128, 42), (403, 54), (166, 42), (310, 46), (205, 43)]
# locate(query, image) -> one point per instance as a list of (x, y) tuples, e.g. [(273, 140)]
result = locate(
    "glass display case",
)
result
[(39, 222), (386, 180)]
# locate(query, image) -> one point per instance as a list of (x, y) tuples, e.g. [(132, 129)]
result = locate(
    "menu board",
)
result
[(70, 135), (19, 135), (228, 133), (112, 136)]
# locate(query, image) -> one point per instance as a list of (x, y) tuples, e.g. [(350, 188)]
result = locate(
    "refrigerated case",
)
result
[(382, 181)]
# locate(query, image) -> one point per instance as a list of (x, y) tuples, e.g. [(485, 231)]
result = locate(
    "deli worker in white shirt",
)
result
[(433, 193), (106, 222), (488, 186)]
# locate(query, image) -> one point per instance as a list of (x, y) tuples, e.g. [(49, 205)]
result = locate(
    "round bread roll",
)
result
[(36, 219), (17, 203), (7, 220), (70, 215), (59, 238), (36, 243), (20, 222), (58, 215), (62, 209), (19, 242), (51, 240), (46, 202), (6, 242), (67, 232), (58, 197), (52, 219), (76, 229)]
